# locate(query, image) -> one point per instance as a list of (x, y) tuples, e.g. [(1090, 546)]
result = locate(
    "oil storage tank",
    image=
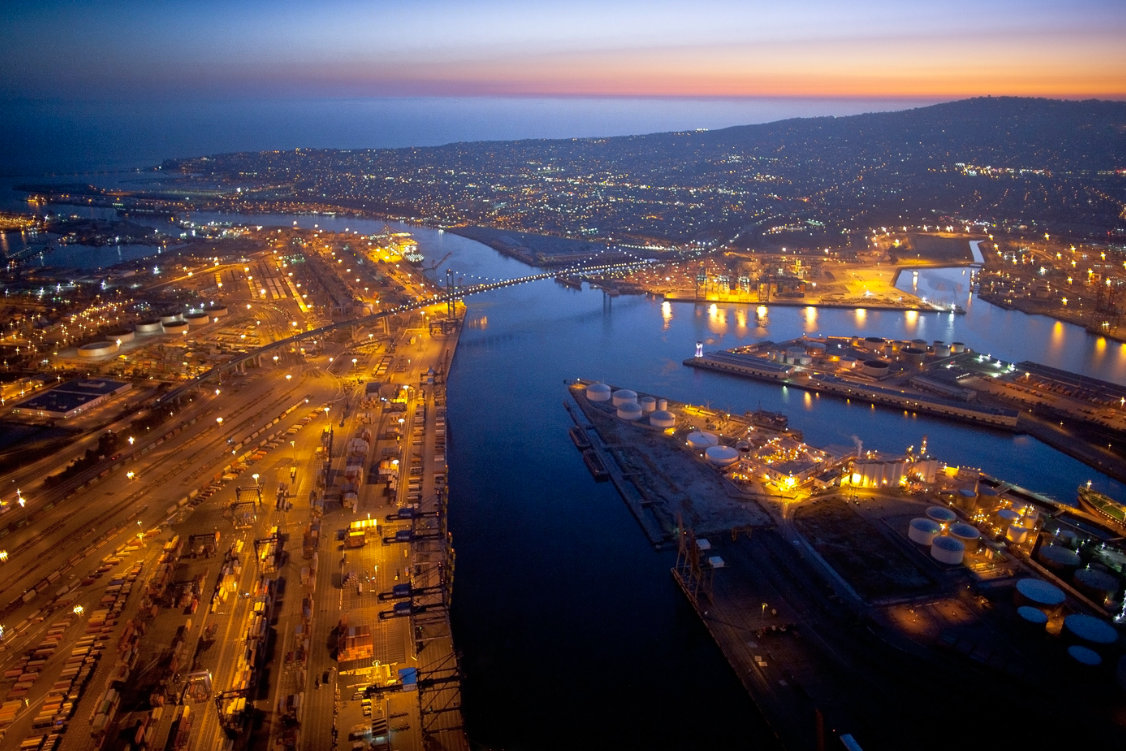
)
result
[(1089, 631), (968, 535), (721, 456), (176, 327), (196, 320), (1059, 558), (1039, 594), (171, 316), (97, 349), (941, 514), (622, 396), (923, 531), (149, 326), (1098, 585), (662, 418), (948, 550), (648, 404), (629, 411), (121, 336), (598, 392), (1032, 619), (914, 356), (1084, 656), (875, 368), (700, 440)]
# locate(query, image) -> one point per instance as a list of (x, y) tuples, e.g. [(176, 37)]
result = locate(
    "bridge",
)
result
[(439, 299)]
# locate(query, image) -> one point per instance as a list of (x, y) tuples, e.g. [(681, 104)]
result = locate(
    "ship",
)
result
[(579, 438), (1102, 506)]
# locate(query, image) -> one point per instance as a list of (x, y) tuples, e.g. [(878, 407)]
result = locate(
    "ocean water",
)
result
[(38, 137)]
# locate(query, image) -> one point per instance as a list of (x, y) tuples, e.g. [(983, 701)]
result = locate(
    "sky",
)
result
[(138, 49)]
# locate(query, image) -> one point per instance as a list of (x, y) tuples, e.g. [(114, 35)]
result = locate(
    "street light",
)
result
[(78, 610), (288, 376), (130, 474), (255, 476), (3, 556), (131, 439), (220, 421)]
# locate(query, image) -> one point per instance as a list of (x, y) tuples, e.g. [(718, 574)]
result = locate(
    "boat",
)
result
[(594, 463), (579, 438), (1102, 506)]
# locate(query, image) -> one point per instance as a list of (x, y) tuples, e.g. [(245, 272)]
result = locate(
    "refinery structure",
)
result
[(943, 562)]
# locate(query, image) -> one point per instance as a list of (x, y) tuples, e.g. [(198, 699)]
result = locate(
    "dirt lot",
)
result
[(860, 552), (676, 481)]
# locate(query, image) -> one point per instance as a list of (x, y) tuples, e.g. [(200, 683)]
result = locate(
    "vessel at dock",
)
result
[(594, 463), (1102, 506), (579, 438)]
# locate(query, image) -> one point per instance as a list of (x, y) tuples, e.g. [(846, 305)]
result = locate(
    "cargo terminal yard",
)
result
[(880, 601), (253, 550)]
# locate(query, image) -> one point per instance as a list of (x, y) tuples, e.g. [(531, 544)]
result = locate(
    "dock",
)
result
[(893, 381)]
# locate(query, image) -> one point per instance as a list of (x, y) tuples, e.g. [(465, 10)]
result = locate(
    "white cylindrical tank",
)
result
[(914, 355), (171, 317), (121, 336), (923, 531), (941, 349), (848, 363), (629, 411), (216, 311), (1017, 534), (662, 404), (622, 396), (699, 440), (957, 348), (948, 550), (875, 368), (1008, 516), (662, 418), (794, 354), (97, 349), (941, 514), (195, 320), (176, 327), (721, 456), (648, 404), (598, 392), (873, 343), (149, 326), (968, 535)]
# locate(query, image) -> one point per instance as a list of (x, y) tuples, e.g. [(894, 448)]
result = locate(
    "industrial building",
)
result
[(71, 398)]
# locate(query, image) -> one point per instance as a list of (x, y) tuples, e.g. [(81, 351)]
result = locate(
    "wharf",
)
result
[(639, 506), (659, 479), (782, 302), (901, 392)]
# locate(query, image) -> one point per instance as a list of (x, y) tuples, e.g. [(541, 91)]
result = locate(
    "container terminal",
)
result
[(868, 600), (262, 562), (1084, 417)]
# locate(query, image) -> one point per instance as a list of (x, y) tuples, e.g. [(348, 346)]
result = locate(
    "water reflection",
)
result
[(666, 313), (811, 318)]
